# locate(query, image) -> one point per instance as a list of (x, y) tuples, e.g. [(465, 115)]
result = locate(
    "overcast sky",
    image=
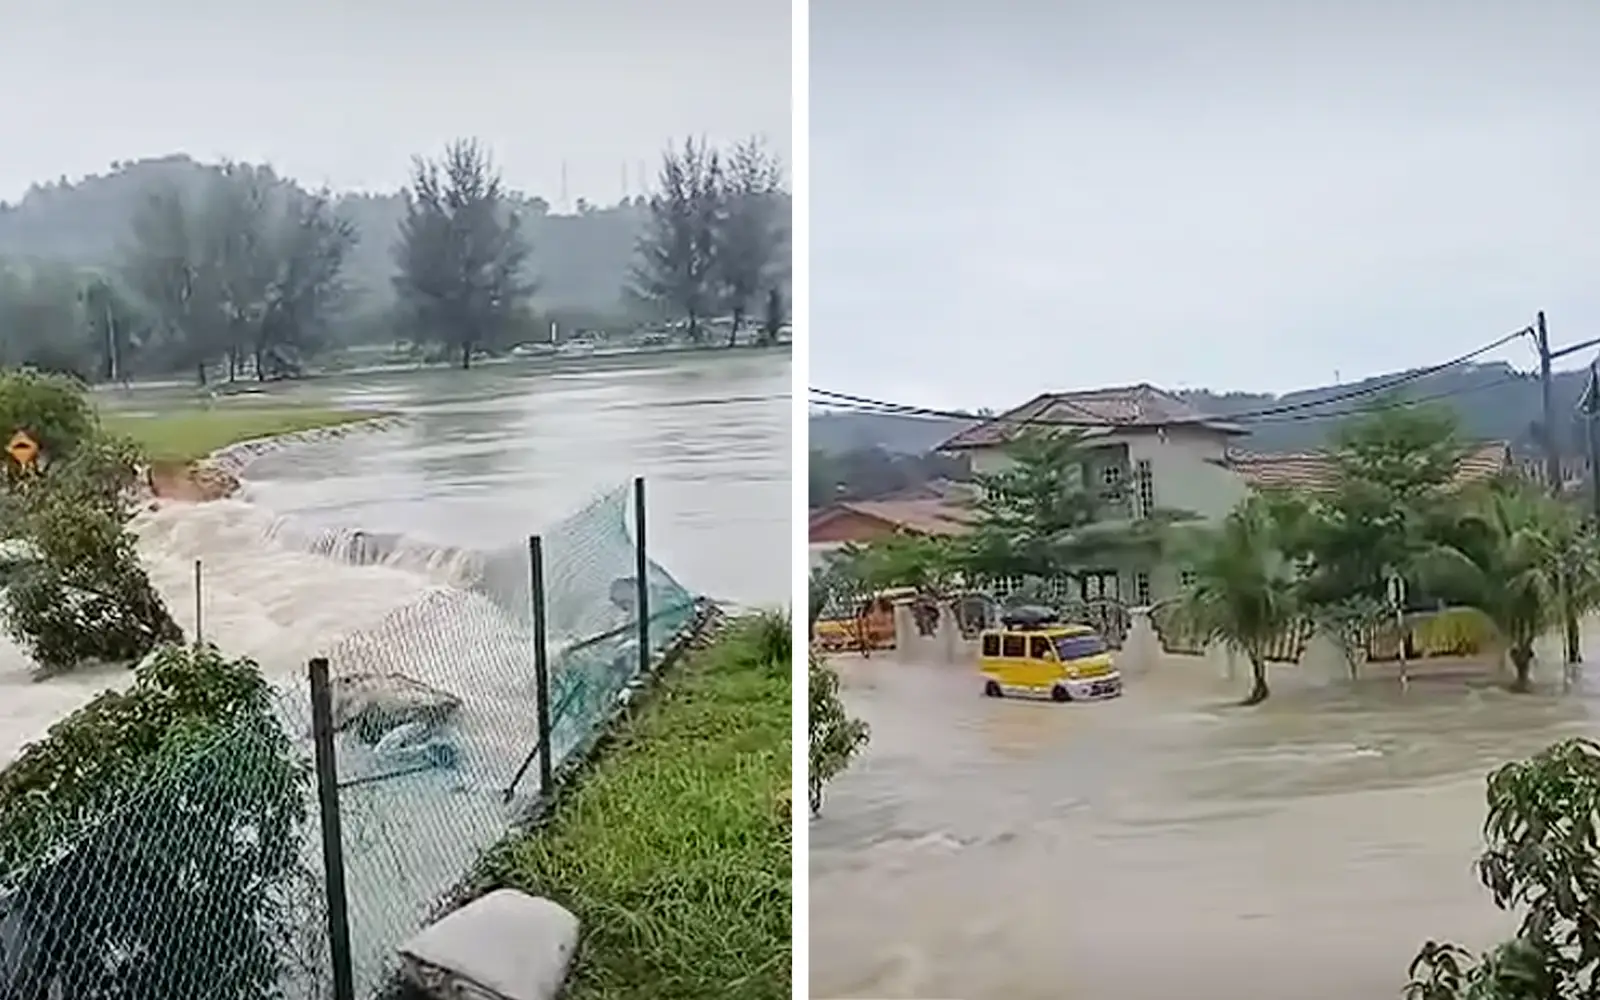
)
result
[(345, 93), (1012, 198)]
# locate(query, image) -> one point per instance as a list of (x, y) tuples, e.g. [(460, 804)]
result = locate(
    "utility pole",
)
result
[(1547, 399), (1591, 412), (1552, 470)]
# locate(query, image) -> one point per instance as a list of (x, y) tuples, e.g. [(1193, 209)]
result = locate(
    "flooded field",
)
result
[(1169, 844)]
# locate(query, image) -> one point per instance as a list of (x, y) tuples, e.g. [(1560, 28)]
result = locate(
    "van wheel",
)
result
[(992, 690), (1059, 693)]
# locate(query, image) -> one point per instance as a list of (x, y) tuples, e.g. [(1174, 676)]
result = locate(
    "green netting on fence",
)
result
[(437, 706)]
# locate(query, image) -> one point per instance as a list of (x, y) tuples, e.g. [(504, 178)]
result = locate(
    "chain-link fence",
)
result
[(210, 880), (439, 742), (193, 882)]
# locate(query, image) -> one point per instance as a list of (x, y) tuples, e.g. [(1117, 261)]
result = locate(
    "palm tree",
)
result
[(1505, 557), (1245, 593)]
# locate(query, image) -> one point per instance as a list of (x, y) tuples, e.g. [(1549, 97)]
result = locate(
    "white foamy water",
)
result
[(261, 600)]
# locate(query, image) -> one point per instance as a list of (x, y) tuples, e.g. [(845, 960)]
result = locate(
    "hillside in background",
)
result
[(582, 262), (1492, 402)]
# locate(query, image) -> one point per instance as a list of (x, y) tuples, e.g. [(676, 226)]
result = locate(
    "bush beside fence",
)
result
[(448, 722)]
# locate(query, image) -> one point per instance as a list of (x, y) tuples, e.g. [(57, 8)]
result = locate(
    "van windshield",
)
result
[(1076, 647)]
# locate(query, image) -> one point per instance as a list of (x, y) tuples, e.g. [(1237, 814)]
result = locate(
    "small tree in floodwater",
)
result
[(1245, 593), (1543, 858), (836, 738)]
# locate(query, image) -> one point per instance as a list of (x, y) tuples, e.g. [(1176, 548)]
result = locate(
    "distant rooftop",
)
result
[(1140, 406), (1313, 470)]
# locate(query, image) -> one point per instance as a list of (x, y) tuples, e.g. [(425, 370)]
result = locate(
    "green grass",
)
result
[(190, 434), (673, 848)]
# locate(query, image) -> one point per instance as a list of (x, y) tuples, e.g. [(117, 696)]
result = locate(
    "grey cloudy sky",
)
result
[(345, 93), (1009, 198)]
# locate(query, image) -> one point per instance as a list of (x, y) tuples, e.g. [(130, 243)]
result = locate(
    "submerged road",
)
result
[(1168, 844)]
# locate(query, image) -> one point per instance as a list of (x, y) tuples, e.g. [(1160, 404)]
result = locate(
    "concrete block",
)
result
[(506, 945)]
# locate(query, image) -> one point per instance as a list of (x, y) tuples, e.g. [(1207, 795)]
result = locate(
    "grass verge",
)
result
[(673, 847), (191, 434)]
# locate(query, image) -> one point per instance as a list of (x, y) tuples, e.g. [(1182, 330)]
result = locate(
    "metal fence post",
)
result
[(199, 633), (541, 663), (641, 573), (332, 835)]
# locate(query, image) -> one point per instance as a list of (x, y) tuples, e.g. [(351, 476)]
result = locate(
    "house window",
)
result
[(1145, 488), (1141, 589), (1100, 585), (1186, 579), (1111, 475)]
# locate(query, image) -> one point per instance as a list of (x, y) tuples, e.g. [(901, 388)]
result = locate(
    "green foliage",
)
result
[(1393, 492), (247, 272), (928, 564), (836, 738), (86, 598), (1046, 513), (1245, 593), (1504, 555), (461, 259), (1542, 858), (673, 846), (52, 409), (82, 596), (153, 832), (715, 237)]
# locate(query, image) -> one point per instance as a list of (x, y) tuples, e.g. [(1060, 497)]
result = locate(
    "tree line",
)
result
[(250, 276)]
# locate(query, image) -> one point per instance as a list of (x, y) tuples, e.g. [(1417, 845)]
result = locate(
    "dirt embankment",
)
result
[(190, 482)]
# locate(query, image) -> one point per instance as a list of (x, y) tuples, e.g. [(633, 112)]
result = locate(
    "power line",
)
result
[(1248, 416), (1277, 413), (858, 404)]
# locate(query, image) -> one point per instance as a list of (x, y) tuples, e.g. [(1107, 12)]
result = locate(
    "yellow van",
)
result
[(1034, 653)]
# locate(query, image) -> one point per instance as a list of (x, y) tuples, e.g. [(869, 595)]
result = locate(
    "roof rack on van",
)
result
[(1029, 617)]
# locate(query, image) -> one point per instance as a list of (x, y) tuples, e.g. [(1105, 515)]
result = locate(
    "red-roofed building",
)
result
[(861, 521)]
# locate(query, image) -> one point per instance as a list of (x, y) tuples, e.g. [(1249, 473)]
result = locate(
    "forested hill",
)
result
[(1492, 401), (581, 262)]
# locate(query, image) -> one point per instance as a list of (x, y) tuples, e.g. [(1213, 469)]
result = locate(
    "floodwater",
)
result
[(1167, 844), (483, 459), (292, 570)]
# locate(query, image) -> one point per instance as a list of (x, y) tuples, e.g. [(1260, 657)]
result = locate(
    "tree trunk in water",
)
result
[(1258, 681), (738, 321), (466, 355), (200, 372), (1522, 660), (261, 368)]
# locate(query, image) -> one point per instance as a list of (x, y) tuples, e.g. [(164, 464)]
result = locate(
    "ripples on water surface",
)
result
[(1165, 845)]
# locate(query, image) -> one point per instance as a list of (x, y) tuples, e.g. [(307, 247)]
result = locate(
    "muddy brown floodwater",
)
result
[(1165, 845)]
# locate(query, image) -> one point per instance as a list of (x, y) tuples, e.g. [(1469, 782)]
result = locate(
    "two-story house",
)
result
[(1146, 444), (1160, 452)]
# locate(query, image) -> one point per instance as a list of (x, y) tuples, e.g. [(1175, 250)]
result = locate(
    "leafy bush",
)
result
[(152, 841), (82, 596), (835, 737), (85, 597), (1543, 855)]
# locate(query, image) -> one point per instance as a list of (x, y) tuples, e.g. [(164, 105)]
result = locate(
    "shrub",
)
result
[(835, 737), (82, 595), (1543, 855), (153, 841), (85, 597)]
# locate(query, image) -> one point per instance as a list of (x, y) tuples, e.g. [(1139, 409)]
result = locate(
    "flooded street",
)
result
[(1164, 845)]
